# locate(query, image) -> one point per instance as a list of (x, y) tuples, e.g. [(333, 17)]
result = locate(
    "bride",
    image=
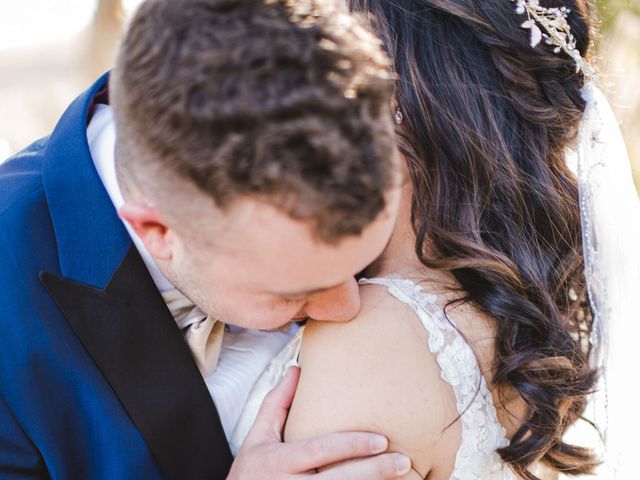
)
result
[(480, 338)]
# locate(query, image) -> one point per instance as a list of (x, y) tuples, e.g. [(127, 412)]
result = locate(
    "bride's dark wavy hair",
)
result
[(487, 120)]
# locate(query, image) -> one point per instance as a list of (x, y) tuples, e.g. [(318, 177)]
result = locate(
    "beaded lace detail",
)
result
[(482, 434)]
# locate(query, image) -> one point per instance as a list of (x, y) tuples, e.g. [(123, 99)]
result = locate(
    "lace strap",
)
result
[(482, 434), (423, 304)]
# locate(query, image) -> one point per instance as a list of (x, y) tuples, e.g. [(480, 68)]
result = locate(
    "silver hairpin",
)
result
[(557, 31), (398, 117)]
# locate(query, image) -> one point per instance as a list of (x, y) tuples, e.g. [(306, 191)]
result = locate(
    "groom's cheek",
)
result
[(339, 304)]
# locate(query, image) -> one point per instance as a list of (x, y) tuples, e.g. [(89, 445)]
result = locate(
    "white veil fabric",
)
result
[(610, 213)]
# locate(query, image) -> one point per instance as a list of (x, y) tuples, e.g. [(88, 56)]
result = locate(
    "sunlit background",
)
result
[(51, 50)]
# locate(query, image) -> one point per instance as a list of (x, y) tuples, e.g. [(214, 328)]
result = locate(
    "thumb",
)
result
[(272, 416)]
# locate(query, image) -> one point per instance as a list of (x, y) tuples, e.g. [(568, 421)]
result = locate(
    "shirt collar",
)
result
[(101, 135)]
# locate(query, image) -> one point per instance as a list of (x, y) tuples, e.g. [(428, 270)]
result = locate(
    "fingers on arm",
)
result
[(323, 450), (382, 467), (273, 413)]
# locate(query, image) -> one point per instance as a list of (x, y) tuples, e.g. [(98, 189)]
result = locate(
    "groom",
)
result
[(147, 278)]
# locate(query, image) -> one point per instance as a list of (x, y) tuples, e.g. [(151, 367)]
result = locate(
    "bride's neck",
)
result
[(399, 254), (400, 258)]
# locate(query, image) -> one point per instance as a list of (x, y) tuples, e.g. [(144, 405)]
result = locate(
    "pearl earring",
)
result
[(398, 117)]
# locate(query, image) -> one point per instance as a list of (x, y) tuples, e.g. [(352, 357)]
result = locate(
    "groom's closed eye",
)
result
[(293, 300), (303, 294)]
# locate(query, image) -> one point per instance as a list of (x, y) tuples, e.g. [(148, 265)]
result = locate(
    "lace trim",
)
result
[(590, 163), (482, 434)]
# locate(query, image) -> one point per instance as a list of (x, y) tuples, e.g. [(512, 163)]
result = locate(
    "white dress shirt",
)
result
[(245, 353)]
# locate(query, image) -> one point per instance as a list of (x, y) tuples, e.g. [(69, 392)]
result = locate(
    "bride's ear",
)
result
[(149, 226)]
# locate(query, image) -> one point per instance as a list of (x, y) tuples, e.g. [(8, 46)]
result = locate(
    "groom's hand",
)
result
[(264, 456)]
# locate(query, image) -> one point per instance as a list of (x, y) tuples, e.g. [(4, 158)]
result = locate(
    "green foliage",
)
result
[(608, 9)]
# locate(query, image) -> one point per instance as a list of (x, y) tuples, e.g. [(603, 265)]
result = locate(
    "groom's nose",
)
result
[(339, 304)]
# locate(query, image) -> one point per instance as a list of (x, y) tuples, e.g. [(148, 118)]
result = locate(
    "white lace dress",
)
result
[(482, 434)]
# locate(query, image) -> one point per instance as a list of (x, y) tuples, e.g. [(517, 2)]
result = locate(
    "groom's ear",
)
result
[(148, 224)]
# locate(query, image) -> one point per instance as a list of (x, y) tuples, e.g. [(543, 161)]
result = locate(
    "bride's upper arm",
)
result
[(376, 373)]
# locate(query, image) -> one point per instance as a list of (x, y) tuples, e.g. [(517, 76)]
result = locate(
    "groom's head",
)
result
[(256, 153)]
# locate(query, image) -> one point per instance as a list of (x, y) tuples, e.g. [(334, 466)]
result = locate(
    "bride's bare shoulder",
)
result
[(376, 373)]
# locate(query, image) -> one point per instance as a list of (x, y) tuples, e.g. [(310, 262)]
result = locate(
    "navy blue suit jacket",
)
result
[(96, 381)]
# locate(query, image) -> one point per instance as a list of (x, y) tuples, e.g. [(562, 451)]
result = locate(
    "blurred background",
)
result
[(51, 50)]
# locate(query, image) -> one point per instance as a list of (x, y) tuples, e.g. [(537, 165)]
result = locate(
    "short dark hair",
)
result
[(287, 101)]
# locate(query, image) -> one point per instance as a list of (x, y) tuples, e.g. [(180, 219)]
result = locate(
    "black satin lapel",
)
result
[(130, 334)]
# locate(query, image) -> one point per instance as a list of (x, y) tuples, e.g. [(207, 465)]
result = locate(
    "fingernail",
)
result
[(378, 444), (403, 464)]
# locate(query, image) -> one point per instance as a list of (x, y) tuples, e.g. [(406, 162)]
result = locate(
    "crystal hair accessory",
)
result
[(557, 32)]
